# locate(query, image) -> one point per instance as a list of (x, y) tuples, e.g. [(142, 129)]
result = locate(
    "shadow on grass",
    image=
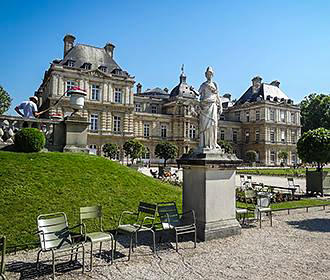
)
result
[(317, 225)]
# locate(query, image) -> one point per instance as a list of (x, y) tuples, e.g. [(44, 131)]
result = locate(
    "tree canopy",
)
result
[(166, 151), (227, 146), (5, 100), (251, 156), (134, 149), (315, 112), (314, 147), (110, 150)]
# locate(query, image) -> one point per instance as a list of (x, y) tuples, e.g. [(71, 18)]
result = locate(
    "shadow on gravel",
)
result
[(26, 270), (320, 225)]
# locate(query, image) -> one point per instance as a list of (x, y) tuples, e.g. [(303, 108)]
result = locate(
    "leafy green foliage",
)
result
[(39, 183), (166, 151), (315, 112), (110, 150), (134, 149), (283, 155), (277, 172), (226, 146), (251, 156), (5, 100), (314, 147), (29, 140)]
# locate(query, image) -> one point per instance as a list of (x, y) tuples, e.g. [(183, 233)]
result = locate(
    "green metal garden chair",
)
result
[(172, 220), (2, 257), (55, 237), (94, 213), (249, 198), (263, 206), (144, 221)]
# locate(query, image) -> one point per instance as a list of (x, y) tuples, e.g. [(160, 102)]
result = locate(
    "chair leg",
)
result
[(91, 258), (38, 257), (195, 241), (259, 219), (154, 240), (83, 259), (176, 241), (271, 218), (114, 250), (112, 253), (136, 238), (53, 264), (100, 248), (130, 246)]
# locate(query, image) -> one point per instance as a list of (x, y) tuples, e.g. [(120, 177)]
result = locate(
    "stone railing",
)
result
[(52, 129)]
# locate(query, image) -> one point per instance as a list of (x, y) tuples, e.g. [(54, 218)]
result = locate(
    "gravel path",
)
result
[(296, 247)]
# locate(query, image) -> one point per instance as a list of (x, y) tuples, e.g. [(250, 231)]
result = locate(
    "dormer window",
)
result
[(103, 68), (87, 66), (70, 63)]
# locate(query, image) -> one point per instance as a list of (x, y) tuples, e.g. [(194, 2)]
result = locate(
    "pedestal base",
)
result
[(218, 229), (75, 149)]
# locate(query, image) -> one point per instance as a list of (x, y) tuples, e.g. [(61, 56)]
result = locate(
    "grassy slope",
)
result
[(31, 184)]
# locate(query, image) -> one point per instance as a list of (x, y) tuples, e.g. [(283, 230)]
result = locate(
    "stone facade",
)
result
[(117, 114)]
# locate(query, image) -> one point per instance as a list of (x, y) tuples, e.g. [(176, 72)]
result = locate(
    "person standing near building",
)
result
[(30, 109)]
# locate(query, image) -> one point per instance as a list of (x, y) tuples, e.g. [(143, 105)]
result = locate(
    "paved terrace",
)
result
[(296, 247)]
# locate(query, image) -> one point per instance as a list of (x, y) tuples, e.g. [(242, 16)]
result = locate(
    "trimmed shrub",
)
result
[(29, 140)]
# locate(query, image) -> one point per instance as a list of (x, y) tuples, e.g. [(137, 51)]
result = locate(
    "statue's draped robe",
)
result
[(208, 120)]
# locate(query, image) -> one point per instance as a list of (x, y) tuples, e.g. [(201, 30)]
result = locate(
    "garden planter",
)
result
[(318, 182)]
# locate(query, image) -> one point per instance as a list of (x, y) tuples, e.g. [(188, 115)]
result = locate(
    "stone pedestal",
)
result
[(209, 189), (76, 128)]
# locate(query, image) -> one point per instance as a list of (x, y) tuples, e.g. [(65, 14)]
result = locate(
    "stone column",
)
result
[(209, 189)]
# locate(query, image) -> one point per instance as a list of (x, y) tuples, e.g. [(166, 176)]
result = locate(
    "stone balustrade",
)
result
[(52, 129)]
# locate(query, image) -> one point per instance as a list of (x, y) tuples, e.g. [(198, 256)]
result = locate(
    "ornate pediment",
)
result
[(97, 73)]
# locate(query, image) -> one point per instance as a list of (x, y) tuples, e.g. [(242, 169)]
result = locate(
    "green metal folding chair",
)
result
[(2, 257), (94, 213)]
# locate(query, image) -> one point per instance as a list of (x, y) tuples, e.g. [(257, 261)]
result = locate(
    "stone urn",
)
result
[(77, 98)]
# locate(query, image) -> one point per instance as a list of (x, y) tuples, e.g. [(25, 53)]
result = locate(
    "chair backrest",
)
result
[(249, 194), (168, 214), (263, 199), (290, 182), (91, 213), (147, 209), (2, 252), (53, 231), (249, 178), (242, 178)]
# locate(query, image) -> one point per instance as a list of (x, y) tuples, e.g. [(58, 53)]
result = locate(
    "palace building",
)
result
[(263, 119)]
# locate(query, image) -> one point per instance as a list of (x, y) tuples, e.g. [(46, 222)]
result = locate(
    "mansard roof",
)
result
[(264, 92), (97, 57), (155, 92), (182, 89)]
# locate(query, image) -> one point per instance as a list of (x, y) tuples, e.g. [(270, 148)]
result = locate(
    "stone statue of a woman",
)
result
[(210, 106)]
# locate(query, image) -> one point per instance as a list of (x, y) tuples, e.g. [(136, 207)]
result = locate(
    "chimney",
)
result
[(68, 42), (256, 84), (138, 88), (166, 90), (275, 83), (109, 49), (227, 95)]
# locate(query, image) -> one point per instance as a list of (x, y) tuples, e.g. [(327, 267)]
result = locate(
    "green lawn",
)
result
[(274, 172), (31, 184)]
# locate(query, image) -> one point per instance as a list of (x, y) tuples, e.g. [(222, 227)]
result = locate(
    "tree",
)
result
[(251, 156), (134, 149), (226, 146), (166, 150), (283, 155), (5, 100), (315, 112), (110, 150), (314, 147)]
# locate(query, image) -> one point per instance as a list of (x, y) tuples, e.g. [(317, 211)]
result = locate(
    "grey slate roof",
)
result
[(182, 89), (81, 54), (155, 92), (263, 92)]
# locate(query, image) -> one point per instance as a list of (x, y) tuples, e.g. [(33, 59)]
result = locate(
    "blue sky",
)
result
[(284, 40)]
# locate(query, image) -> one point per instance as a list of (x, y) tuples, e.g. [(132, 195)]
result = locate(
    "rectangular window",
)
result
[(94, 119), (70, 63), (272, 157), (87, 66), (283, 136), (247, 116), (70, 84), (138, 107), (293, 117), (154, 109), (192, 131), (247, 136), (235, 136), (293, 137), (118, 95), (103, 68), (272, 115), (283, 114), (257, 115), (257, 135), (146, 130), (187, 129), (163, 131), (222, 134), (116, 124), (272, 136), (293, 158), (95, 92), (237, 116)]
